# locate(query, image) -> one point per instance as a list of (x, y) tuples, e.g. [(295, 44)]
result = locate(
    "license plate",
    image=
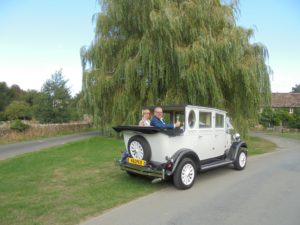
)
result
[(139, 162)]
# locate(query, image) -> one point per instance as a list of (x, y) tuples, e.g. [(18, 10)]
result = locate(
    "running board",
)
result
[(216, 164)]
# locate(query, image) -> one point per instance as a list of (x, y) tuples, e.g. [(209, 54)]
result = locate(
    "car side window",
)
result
[(167, 117), (219, 120), (192, 118), (204, 119), (179, 116)]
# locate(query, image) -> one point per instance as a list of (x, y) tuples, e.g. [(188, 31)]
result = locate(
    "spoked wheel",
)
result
[(136, 150), (139, 148), (241, 160), (185, 174)]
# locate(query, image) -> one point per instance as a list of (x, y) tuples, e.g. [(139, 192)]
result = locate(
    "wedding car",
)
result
[(204, 141)]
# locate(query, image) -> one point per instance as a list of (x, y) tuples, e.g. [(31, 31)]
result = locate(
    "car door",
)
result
[(205, 134), (219, 136), (191, 136)]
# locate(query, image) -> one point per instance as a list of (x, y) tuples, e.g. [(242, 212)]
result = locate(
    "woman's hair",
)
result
[(146, 111)]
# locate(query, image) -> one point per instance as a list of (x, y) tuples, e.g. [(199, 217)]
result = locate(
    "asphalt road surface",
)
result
[(267, 192), (11, 150)]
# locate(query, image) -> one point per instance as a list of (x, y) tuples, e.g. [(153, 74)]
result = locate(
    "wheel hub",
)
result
[(136, 150), (242, 159), (187, 174)]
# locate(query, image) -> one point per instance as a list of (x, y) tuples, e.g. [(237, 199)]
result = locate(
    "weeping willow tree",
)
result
[(153, 52)]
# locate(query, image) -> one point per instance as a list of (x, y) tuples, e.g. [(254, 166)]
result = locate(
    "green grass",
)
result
[(66, 184), (258, 146)]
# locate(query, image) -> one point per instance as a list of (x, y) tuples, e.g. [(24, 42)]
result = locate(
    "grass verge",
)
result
[(66, 184), (258, 146)]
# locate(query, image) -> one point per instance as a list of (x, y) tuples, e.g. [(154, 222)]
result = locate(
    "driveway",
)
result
[(267, 192), (10, 150)]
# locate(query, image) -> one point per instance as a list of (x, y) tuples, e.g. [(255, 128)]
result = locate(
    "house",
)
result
[(286, 100)]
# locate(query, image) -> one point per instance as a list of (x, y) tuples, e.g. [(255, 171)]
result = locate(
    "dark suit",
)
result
[(160, 124)]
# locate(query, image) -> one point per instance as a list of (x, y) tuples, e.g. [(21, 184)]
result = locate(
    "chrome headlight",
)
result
[(237, 137)]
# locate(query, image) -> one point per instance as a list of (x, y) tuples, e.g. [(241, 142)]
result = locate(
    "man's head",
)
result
[(158, 112)]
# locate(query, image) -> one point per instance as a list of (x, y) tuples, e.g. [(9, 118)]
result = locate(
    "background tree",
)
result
[(296, 115), (18, 110), (16, 92), (5, 96), (4, 100), (296, 89), (53, 103), (30, 96), (268, 118), (77, 110), (178, 51)]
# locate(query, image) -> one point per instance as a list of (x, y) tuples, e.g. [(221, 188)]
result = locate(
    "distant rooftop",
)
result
[(289, 100)]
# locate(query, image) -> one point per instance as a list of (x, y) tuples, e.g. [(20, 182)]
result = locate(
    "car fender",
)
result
[(234, 149), (182, 153)]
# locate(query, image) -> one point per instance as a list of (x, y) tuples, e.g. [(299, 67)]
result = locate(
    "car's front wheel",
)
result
[(241, 160), (185, 174)]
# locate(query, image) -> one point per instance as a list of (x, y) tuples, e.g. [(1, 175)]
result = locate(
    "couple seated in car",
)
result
[(157, 119)]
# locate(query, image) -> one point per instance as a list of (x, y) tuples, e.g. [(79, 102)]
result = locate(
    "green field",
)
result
[(70, 183), (66, 184), (258, 145)]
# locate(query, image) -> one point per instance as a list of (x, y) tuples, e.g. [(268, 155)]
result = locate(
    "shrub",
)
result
[(3, 116), (18, 125), (18, 110), (268, 118)]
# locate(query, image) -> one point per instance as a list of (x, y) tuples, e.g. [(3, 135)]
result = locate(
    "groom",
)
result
[(157, 120)]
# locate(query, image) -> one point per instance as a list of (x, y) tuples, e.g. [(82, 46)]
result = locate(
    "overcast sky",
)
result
[(39, 37)]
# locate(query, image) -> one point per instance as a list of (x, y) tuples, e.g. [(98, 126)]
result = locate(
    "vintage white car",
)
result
[(203, 142)]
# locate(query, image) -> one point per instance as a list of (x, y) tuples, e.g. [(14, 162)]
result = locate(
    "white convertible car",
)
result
[(203, 142)]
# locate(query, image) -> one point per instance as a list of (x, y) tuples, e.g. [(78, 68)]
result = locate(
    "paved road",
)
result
[(10, 150), (267, 192)]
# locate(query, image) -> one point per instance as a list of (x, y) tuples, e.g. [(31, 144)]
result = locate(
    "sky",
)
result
[(276, 24), (40, 37)]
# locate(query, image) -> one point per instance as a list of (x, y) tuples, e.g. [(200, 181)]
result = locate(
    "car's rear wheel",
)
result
[(241, 160), (139, 148), (185, 174)]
